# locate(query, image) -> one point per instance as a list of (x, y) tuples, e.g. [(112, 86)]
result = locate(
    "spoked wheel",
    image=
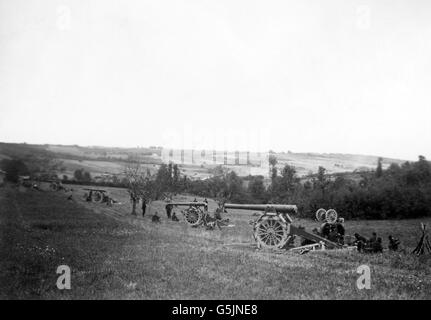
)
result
[(271, 232), (321, 215), (193, 216), (331, 216), (98, 197)]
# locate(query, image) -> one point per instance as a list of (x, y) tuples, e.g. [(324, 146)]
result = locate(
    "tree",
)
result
[(288, 181), (272, 159), (14, 168), (86, 176), (175, 177), (78, 175), (141, 184), (256, 188), (322, 181), (379, 169)]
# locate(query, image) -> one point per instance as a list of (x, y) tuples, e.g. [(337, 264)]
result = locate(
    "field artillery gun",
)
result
[(56, 185), (274, 229), (96, 195), (195, 213)]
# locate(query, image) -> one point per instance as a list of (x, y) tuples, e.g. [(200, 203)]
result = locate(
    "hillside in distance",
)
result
[(107, 160)]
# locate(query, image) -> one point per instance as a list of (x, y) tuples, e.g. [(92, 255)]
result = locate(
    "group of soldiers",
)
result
[(375, 243), (335, 232), (170, 213), (156, 218)]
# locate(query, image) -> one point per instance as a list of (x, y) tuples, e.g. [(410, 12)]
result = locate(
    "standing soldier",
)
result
[(373, 239), (168, 210), (340, 230), (144, 206)]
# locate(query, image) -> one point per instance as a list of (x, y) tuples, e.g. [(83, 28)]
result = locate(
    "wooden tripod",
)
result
[(424, 245)]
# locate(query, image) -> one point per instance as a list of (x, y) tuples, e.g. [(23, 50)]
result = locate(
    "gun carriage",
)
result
[(195, 212), (96, 195)]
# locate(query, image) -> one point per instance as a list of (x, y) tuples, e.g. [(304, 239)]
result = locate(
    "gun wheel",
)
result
[(321, 215), (331, 216), (97, 196), (193, 216), (271, 232)]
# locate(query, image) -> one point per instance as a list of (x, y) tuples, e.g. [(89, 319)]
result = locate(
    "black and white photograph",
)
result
[(194, 151)]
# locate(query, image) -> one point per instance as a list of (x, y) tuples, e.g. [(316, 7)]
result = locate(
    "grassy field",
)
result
[(114, 255)]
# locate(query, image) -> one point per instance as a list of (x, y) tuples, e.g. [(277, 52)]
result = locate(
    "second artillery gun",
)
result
[(197, 214), (194, 213)]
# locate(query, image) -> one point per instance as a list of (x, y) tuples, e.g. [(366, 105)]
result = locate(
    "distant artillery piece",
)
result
[(273, 229), (56, 185), (98, 196)]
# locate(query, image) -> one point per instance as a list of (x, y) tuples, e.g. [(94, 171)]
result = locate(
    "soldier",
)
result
[(393, 243), (340, 230), (206, 206), (377, 246), (109, 202), (373, 239), (155, 218), (168, 210), (325, 229), (174, 217), (90, 196), (217, 214), (360, 242), (144, 206), (333, 234)]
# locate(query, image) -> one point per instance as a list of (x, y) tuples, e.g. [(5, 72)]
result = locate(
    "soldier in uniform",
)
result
[(341, 231), (372, 242), (377, 246), (168, 210), (393, 243), (155, 218), (144, 206), (174, 217), (360, 242), (325, 229), (90, 196)]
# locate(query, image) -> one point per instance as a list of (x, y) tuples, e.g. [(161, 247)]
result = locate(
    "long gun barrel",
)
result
[(280, 208)]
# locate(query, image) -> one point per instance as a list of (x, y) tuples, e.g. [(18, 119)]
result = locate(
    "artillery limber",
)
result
[(274, 228)]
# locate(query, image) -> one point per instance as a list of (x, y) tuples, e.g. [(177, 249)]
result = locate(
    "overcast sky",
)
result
[(341, 76)]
